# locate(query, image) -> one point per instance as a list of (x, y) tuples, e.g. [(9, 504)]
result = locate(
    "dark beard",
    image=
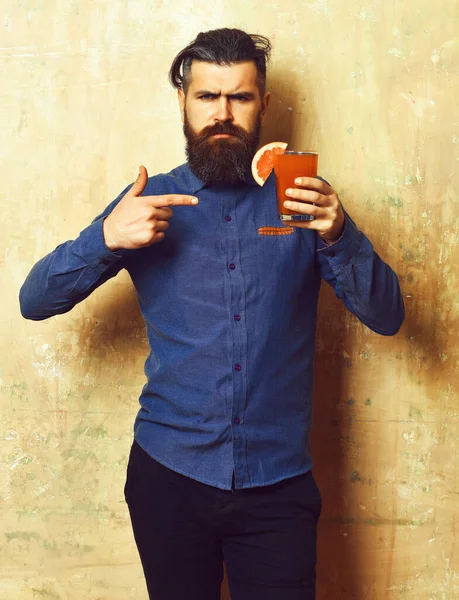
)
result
[(221, 161)]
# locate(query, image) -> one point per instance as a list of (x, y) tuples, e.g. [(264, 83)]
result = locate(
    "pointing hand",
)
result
[(138, 221)]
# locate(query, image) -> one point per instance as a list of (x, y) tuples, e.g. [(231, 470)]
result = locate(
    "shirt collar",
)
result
[(197, 184)]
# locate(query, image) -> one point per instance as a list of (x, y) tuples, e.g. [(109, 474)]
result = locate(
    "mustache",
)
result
[(220, 128)]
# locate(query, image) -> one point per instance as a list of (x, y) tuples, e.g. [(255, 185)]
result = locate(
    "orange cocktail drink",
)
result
[(287, 167)]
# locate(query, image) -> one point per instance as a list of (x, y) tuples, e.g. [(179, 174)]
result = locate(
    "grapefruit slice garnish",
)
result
[(263, 161)]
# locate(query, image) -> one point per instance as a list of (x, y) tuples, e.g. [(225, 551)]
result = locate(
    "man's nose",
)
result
[(223, 110)]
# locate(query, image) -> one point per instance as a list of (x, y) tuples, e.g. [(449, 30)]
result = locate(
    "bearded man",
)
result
[(220, 466)]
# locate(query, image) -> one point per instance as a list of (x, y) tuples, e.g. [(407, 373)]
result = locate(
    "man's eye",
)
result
[(206, 97)]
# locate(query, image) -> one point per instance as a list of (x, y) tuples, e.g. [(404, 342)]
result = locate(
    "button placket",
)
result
[(236, 406)]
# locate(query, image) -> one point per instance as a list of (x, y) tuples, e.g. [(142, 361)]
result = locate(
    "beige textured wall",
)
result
[(373, 86)]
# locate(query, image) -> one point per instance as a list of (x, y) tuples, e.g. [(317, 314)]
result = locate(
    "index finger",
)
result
[(313, 183), (170, 200)]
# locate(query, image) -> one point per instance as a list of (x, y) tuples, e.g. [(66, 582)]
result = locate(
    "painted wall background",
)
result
[(372, 86)]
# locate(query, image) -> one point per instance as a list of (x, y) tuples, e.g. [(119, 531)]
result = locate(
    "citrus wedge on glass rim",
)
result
[(263, 161)]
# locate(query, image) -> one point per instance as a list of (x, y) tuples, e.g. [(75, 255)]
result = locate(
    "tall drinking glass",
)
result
[(287, 167)]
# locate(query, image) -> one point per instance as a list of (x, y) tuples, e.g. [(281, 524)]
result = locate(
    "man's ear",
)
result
[(181, 99), (265, 104)]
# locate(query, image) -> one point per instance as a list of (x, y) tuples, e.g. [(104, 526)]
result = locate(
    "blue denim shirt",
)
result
[(230, 312)]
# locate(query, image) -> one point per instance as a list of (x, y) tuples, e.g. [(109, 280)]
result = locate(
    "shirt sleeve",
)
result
[(362, 280), (71, 272)]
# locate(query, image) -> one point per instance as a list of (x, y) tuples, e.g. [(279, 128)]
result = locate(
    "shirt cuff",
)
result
[(92, 245), (345, 247)]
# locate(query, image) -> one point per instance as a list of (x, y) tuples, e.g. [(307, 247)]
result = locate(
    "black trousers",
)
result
[(185, 530)]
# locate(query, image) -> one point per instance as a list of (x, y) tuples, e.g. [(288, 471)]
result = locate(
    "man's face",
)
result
[(222, 114)]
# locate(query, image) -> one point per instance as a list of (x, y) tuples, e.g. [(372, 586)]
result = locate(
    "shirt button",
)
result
[(237, 317), (227, 218), (232, 266), (331, 254), (105, 262), (237, 367), (236, 420)]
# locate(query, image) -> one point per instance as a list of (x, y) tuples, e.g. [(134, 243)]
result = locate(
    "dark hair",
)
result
[(223, 47)]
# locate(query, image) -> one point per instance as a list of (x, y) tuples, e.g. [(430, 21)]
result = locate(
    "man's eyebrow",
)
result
[(237, 94), (207, 93), (248, 95)]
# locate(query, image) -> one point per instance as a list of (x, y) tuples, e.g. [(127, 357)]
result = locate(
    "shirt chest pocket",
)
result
[(277, 270)]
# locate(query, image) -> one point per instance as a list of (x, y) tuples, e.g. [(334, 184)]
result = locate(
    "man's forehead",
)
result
[(212, 76)]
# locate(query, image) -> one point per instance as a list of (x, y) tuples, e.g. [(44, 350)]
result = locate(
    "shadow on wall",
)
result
[(114, 329), (430, 348), (337, 575), (285, 120)]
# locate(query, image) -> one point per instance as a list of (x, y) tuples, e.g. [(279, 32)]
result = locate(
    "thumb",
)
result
[(140, 182)]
